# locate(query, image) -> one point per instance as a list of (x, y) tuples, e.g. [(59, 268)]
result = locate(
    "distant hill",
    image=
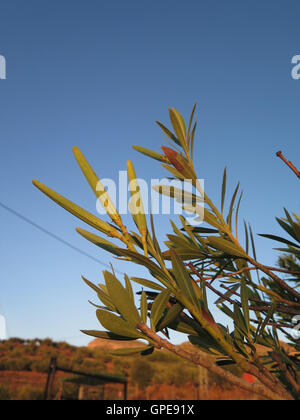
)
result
[(113, 345)]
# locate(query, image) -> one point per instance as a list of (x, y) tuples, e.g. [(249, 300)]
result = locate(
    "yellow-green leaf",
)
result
[(121, 299), (97, 187), (77, 211), (117, 325), (226, 246)]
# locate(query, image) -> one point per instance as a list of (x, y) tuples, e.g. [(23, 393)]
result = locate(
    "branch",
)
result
[(242, 270), (289, 163), (287, 374), (264, 305), (278, 280), (204, 361)]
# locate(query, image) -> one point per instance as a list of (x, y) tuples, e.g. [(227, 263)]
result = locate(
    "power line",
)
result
[(54, 236)]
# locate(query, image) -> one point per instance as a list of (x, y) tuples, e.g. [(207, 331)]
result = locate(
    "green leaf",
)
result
[(151, 154), (226, 246), (171, 315), (154, 269), (191, 121), (147, 283), (237, 213), (168, 133), (178, 126), (279, 239), (96, 185), (206, 343), (121, 299), (158, 307), (155, 244), (245, 303), (106, 335), (97, 240), (182, 327), (246, 237), (252, 243), (117, 325), (129, 287), (91, 285), (184, 280), (173, 171), (287, 228), (137, 208), (232, 204), (185, 255), (182, 243), (77, 211), (132, 351), (180, 195), (239, 320), (269, 315), (192, 139), (223, 190), (228, 294), (204, 230), (212, 220)]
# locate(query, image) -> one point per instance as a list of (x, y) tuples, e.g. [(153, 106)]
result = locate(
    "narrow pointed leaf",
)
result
[(129, 287), (223, 191), (168, 133), (97, 240), (183, 279), (245, 303), (151, 154), (131, 351), (106, 335), (171, 315), (117, 325), (158, 307), (226, 246), (279, 239), (77, 211), (147, 283), (121, 299), (97, 186)]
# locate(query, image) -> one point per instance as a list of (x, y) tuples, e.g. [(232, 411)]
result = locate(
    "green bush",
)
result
[(30, 393), (39, 365), (141, 373), (5, 393)]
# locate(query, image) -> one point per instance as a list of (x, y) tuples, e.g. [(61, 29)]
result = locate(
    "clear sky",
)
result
[(97, 74)]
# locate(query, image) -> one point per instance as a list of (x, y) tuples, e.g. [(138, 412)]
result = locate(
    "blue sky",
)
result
[(97, 75)]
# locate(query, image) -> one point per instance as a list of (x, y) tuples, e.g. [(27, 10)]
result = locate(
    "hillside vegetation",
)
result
[(24, 365)]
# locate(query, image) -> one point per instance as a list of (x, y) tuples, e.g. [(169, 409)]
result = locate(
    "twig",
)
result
[(278, 280), (265, 307), (289, 163), (280, 300), (242, 270)]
